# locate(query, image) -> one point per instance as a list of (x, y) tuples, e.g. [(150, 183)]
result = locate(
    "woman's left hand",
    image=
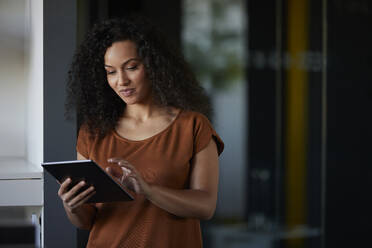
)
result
[(129, 177)]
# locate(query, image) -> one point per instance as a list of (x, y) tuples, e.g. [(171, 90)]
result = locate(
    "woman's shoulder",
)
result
[(193, 119), (202, 129)]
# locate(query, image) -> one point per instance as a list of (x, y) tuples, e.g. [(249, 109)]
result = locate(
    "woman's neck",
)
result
[(143, 112)]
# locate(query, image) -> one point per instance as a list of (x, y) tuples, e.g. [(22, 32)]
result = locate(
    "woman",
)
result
[(143, 119)]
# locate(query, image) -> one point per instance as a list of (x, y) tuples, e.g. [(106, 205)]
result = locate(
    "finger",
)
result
[(132, 178), (120, 162), (123, 176), (72, 192), (125, 171), (64, 186), (129, 184), (81, 196), (127, 166), (115, 160), (124, 163), (109, 170), (114, 173), (135, 184), (137, 187), (84, 200)]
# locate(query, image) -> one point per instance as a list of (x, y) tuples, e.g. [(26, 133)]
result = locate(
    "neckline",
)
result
[(151, 137)]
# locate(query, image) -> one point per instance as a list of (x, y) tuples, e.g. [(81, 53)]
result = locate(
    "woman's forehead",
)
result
[(120, 52)]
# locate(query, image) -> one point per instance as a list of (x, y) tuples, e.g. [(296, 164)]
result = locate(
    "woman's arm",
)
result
[(197, 202), (79, 213)]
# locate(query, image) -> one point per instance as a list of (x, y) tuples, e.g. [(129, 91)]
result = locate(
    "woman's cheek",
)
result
[(111, 82)]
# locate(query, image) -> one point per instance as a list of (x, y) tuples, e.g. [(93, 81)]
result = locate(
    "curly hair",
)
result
[(98, 106)]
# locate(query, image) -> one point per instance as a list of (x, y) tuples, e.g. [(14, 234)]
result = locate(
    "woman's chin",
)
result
[(129, 100), (135, 100)]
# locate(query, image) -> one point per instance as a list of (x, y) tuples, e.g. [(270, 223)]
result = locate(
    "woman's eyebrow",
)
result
[(126, 62)]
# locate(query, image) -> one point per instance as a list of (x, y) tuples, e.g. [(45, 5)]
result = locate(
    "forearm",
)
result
[(197, 202), (82, 217), (183, 203)]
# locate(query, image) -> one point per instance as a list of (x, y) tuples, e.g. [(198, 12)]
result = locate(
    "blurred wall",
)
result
[(60, 25), (13, 85), (35, 79)]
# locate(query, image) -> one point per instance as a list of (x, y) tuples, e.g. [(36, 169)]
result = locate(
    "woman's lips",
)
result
[(127, 92)]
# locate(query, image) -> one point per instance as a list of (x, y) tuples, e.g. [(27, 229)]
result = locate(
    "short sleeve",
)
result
[(203, 133), (83, 142)]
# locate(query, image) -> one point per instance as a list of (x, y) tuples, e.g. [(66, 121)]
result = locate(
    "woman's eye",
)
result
[(132, 68), (110, 72)]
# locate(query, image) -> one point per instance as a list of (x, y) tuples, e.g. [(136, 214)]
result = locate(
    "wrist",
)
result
[(148, 192), (72, 210)]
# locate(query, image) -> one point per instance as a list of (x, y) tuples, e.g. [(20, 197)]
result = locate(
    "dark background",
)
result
[(339, 161), (349, 124)]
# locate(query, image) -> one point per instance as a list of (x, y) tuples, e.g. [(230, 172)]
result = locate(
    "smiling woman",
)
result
[(172, 81), (144, 119), (126, 74)]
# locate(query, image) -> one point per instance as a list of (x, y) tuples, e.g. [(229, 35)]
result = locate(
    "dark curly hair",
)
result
[(98, 106)]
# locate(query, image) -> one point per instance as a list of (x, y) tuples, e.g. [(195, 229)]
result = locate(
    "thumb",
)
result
[(112, 172)]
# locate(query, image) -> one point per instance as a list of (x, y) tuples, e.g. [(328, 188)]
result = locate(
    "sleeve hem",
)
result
[(82, 153), (217, 140)]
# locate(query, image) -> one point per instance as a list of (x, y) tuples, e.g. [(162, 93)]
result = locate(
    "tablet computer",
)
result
[(106, 187)]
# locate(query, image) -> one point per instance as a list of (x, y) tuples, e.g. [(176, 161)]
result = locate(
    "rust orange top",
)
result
[(163, 159)]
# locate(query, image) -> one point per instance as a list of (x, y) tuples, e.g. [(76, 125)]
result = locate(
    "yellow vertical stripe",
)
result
[(296, 122)]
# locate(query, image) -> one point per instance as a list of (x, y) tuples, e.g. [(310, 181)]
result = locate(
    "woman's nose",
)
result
[(123, 79)]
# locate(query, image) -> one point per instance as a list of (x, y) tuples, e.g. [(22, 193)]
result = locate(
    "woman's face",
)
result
[(126, 73)]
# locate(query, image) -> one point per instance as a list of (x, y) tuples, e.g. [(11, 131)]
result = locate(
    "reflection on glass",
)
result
[(213, 37), (213, 41), (278, 203)]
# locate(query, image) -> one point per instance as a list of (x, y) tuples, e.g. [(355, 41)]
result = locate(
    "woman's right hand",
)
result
[(73, 198)]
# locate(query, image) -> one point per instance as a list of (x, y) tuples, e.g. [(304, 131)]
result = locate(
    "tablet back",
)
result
[(107, 189)]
